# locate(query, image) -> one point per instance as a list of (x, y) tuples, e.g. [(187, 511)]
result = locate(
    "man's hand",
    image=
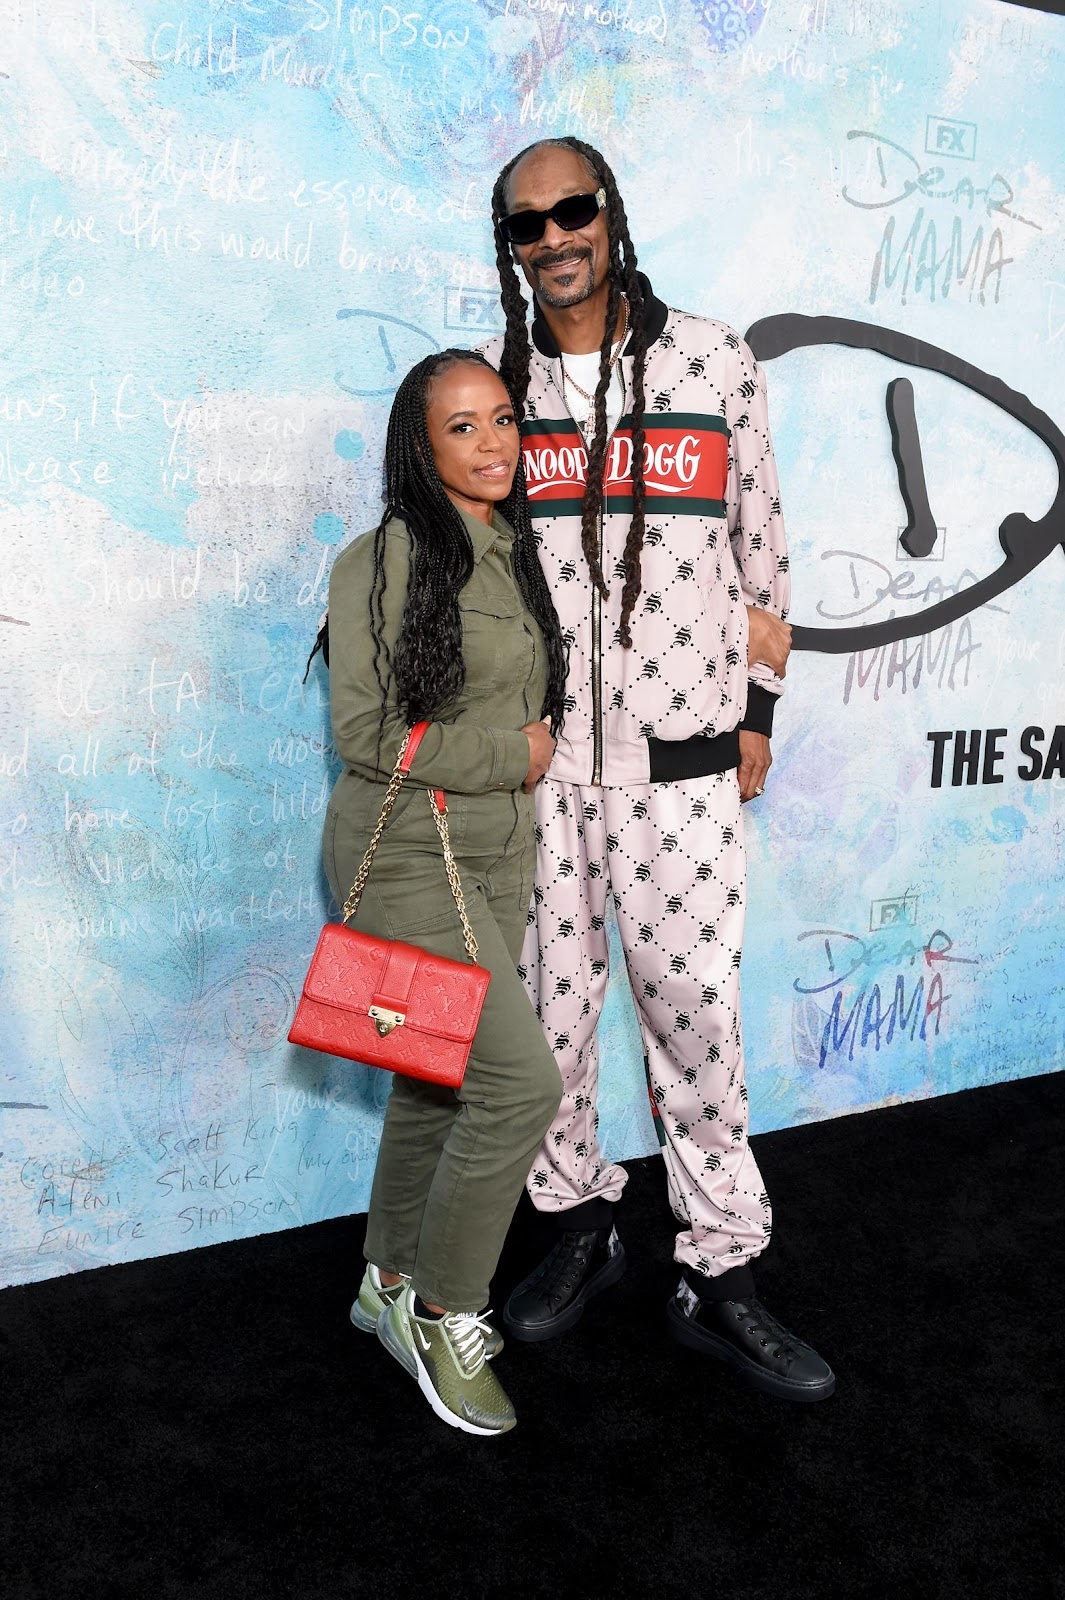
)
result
[(755, 762), (541, 749), (768, 640)]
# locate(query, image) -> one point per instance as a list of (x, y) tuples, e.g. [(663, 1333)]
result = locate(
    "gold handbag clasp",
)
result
[(384, 1020)]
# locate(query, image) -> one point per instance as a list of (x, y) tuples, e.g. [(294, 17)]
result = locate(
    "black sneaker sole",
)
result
[(565, 1319), (748, 1370)]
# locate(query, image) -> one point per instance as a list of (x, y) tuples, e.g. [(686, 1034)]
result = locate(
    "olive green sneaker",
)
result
[(450, 1365), (375, 1296)]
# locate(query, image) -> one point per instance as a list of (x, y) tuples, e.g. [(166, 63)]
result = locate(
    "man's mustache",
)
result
[(557, 256)]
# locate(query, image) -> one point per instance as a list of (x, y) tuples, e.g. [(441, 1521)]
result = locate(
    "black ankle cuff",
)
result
[(422, 1310), (589, 1215), (735, 1284)]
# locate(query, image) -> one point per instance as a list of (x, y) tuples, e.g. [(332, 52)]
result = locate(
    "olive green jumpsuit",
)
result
[(451, 1164)]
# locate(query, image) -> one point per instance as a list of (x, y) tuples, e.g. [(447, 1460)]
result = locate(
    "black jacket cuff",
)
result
[(760, 707)]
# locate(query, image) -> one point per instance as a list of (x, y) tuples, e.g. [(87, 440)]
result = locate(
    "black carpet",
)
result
[(209, 1425)]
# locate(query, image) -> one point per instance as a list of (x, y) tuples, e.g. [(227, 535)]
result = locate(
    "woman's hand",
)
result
[(541, 749), (768, 640)]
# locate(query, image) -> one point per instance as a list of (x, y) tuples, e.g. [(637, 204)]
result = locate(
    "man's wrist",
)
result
[(758, 718)]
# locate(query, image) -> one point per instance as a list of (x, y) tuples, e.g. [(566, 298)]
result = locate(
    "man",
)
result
[(654, 491)]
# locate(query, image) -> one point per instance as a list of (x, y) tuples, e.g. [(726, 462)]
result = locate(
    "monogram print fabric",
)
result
[(347, 976), (672, 857), (671, 854), (714, 543)]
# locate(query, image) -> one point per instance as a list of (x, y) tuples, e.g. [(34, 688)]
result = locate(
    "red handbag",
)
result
[(386, 1003)]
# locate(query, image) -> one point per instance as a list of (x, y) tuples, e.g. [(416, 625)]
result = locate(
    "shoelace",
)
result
[(759, 1320), (466, 1332), (568, 1265)]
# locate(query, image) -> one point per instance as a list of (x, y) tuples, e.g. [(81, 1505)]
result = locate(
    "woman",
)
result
[(442, 613)]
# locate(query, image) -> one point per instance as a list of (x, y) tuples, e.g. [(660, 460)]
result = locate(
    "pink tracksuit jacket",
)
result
[(672, 705)]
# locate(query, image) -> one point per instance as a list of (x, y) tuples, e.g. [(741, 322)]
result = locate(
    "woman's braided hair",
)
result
[(514, 365), (427, 663)]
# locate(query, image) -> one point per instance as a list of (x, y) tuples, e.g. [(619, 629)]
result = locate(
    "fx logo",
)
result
[(945, 137), (473, 308), (893, 912)]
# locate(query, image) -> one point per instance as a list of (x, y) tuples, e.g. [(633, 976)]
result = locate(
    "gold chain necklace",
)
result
[(618, 347)]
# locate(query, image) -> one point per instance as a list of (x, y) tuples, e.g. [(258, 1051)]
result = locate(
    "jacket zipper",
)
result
[(597, 611), (597, 599), (597, 670)]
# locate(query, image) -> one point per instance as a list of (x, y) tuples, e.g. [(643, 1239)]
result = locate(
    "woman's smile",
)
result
[(474, 437)]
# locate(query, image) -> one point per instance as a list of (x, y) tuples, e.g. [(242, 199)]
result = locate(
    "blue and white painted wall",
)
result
[(226, 228)]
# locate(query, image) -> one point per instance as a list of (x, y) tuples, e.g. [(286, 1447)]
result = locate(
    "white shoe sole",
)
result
[(405, 1357)]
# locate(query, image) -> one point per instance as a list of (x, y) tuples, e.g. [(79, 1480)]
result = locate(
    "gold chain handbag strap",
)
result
[(395, 783)]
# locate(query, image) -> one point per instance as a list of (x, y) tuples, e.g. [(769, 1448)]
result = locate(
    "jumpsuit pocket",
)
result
[(492, 637), (412, 896)]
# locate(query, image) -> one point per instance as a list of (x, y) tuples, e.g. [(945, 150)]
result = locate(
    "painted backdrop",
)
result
[(226, 229)]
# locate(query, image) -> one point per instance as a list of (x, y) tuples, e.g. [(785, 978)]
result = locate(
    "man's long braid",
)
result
[(514, 362), (537, 596), (514, 367)]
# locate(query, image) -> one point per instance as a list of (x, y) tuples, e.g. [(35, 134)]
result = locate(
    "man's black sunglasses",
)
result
[(572, 212)]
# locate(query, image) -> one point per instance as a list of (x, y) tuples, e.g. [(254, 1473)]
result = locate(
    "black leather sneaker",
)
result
[(552, 1298), (742, 1333)]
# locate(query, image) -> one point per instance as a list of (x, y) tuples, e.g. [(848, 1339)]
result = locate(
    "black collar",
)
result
[(655, 312)]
